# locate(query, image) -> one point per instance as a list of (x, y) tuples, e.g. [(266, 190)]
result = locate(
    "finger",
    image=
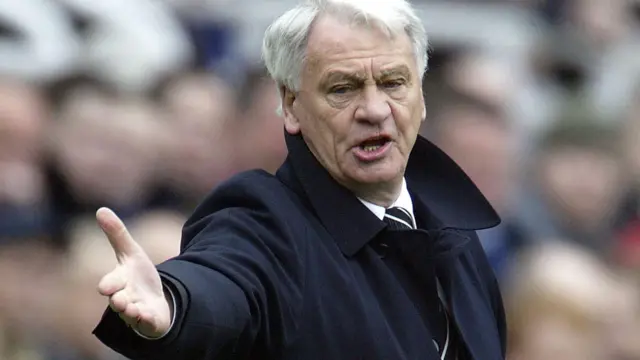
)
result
[(131, 315), (117, 233), (119, 301), (145, 317), (111, 283)]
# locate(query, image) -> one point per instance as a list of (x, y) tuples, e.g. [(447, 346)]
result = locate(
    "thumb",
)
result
[(119, 238)]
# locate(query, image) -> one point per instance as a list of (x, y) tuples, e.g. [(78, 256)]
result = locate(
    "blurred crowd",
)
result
[(145, 105)]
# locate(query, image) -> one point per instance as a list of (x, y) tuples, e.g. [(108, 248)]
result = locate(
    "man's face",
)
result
[(360, 103)]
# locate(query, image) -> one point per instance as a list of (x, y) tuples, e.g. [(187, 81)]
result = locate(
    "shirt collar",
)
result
[(403, 201), (434, 181)]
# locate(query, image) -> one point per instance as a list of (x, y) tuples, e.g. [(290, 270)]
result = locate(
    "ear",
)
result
[(288, 98), (424, 111)]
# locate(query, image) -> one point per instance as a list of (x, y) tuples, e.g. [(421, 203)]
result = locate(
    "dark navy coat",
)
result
[(291, 267)]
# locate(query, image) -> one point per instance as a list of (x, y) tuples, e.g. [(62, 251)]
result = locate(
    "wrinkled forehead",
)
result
[(335, 41)]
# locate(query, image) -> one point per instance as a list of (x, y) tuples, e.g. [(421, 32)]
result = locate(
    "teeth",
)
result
[(371, 147)]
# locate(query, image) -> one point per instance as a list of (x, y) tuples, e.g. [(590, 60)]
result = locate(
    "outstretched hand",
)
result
[(134, 288)]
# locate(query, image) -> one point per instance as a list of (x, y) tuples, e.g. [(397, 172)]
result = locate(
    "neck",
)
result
[(380, 194)]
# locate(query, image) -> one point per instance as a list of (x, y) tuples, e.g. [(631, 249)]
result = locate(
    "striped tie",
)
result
[(398, 218)]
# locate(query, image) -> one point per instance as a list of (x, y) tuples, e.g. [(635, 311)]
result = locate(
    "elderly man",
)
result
[(362, 246)]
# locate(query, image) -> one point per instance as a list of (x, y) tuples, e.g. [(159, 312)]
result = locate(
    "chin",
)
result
[(377, 174)]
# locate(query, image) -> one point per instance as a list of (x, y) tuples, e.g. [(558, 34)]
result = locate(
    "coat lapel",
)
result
[(468, 300)]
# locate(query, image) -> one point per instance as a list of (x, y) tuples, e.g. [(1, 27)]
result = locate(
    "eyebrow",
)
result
[(338, 75), (401, 70)]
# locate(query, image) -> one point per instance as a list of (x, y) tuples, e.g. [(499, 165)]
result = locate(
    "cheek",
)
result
[(330, 123), (410, 107), (408, 120), (325, 129)]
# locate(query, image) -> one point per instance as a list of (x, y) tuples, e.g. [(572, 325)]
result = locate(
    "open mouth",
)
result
[(373, 144)]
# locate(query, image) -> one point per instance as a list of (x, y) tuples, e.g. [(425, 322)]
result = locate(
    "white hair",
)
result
[(285, 40)]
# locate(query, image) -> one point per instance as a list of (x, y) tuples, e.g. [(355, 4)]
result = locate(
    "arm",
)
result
[(236, 278)]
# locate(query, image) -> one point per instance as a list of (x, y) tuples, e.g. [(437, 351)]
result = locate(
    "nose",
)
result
[(373, 106)]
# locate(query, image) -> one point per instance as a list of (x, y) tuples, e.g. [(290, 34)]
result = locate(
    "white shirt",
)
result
[(403, 201)]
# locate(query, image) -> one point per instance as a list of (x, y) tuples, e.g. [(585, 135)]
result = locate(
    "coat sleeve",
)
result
[(238, 280)]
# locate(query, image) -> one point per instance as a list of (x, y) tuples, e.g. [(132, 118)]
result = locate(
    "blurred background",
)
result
[(145, 105)]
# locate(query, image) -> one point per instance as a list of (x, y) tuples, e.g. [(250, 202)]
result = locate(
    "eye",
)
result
[(340, 89), (392, 84)]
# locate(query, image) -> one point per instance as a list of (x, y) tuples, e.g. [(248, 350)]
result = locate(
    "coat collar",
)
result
[(434, 180)]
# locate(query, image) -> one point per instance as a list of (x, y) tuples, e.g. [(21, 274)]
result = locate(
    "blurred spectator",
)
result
[(212, 31), (23, 191), (477, 135), (104, 152), (482, 76), (575, 185), (629, 222), (129, 44), (601, 24), (32, 278), (563, 304), (260, 125), (37, 42), (603, 37), (203, 139)]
